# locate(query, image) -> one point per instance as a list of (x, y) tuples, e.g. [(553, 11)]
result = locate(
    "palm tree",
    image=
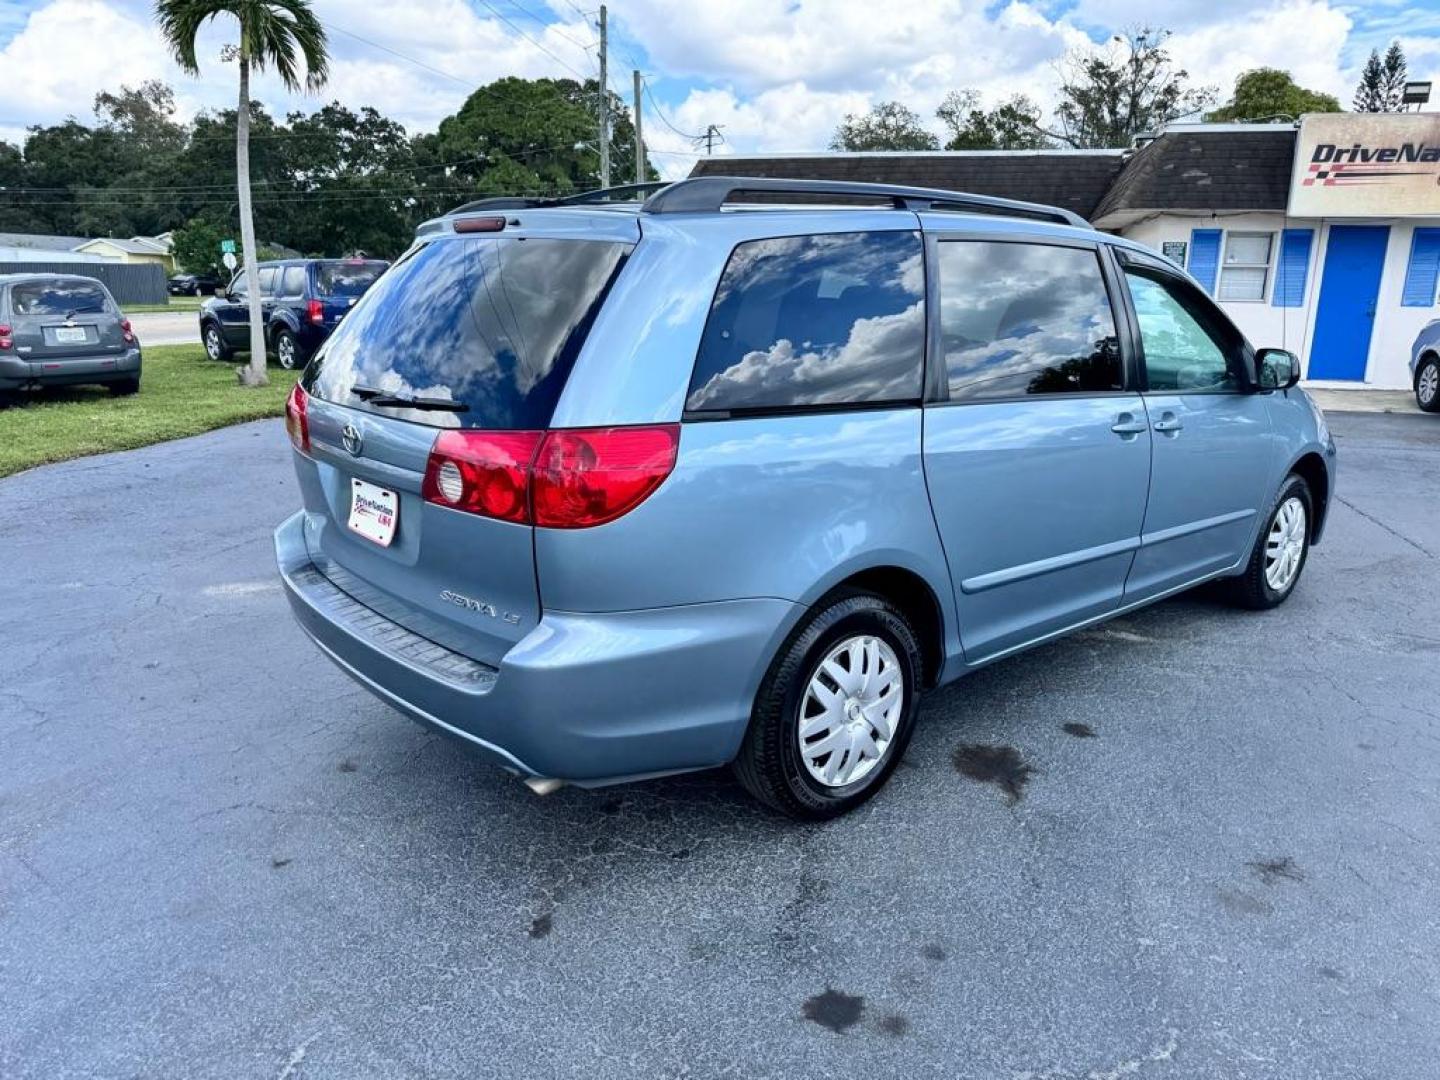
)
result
[(273, 34)]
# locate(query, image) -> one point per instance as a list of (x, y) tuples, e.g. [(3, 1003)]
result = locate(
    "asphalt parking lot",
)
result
[(1217, 856)]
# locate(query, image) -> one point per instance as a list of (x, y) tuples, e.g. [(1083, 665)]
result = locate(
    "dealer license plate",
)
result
[(70, 335), (373, 512)]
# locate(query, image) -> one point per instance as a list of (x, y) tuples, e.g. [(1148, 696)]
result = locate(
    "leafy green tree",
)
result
[(1012, 125), (196, 247), (1267, 93), (1108, 97), (888, 126), (273, 34), (523, 137)]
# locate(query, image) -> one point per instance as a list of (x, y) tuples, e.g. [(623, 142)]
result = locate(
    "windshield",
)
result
[(59, 298), (491, 324), (349, 278)]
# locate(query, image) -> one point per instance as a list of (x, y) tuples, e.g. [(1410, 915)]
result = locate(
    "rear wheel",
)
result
[(1280, 550), (835, 711), (124, 388), (287, 350), (1427, 384), (215, 345)]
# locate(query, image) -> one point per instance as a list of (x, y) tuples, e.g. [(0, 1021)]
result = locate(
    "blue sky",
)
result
[(775, 74)]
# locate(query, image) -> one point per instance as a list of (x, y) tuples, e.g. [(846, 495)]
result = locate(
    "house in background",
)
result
[(137, 249), (1322, 237), (37, 247)]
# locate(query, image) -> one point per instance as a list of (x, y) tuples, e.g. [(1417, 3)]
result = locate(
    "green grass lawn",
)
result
[(182, 392), (177, 303)]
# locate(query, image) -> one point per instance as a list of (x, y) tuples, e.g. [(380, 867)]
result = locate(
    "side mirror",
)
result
[(1276, 369)]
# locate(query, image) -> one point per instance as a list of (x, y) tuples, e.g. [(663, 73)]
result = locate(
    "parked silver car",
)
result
[(63, 330)]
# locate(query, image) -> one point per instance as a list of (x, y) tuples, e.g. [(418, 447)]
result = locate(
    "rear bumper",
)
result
[(17, 372), (587, 698)]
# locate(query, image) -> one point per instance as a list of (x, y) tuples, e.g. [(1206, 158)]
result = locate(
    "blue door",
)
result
[(1349, 291)]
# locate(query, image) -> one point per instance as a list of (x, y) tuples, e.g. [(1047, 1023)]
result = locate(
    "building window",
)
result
[(1245, 270)]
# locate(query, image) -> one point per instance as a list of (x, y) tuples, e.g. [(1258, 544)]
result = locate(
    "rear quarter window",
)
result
[(59, 298), (799, 321), (493, 324)]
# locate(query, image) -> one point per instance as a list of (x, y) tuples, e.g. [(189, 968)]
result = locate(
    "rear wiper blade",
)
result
[(373, 396)]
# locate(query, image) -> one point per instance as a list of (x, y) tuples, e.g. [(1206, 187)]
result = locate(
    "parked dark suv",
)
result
[(302, 300)]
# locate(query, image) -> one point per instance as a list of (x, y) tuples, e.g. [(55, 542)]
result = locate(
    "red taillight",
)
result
[(297, 422), (482, 472), (6, 340), (558, 479), (127, 332), (315, 311), (591, 476)]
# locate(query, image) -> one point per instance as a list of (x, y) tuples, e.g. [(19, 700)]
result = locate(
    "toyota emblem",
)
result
[(351, 440)]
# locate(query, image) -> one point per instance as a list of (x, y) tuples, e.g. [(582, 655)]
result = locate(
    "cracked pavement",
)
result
[(220, 858)]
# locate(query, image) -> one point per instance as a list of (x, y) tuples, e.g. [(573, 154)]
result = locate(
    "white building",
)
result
[(1324, 239)]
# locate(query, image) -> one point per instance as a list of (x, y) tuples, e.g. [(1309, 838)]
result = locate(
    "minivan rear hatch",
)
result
[(464, 334)]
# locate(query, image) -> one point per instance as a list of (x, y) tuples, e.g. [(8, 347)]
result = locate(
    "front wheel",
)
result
[(1427, 385), (1280, 550), (215, 346), (287, 351), (835, 711)]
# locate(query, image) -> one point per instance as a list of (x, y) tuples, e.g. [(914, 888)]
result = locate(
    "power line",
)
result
[(502, 17), (551, 26), (654, 104)]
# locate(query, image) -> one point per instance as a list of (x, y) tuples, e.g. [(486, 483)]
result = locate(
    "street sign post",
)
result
[(227, 247)]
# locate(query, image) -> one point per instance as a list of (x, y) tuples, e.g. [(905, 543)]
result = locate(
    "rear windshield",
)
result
[(59, 298), (492, 324), (346, 278)]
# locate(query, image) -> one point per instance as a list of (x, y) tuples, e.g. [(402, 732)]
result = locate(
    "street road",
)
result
[(1209, 847)]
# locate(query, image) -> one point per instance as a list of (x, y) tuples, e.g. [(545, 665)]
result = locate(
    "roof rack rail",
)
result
[(707, 194), (620, 192)]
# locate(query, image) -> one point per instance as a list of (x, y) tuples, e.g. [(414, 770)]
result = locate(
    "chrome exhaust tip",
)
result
[(543, 785)]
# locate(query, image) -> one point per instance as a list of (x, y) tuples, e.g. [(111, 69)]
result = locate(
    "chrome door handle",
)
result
[(1168, 422), (1126, 424)]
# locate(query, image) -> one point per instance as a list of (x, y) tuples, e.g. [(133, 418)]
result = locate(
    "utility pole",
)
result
[(639, 138), (604, 103), (712, 133)]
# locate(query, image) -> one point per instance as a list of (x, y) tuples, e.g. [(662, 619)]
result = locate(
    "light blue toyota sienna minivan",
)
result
[(615, 489)]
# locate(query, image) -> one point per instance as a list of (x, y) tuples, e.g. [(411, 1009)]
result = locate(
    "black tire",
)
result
[(288, 352), (1427, 384), (770, 764), (1251, 589), (213, 338), (124, 388)]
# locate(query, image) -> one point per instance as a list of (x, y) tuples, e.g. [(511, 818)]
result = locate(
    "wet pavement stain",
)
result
[(1239, 903), (348, 765), (278, 861), (541, 925), (1274, 871), (1330, 973), (932, 952), (1080, 731), (894, 1025), (834, 1010), (999, 765)]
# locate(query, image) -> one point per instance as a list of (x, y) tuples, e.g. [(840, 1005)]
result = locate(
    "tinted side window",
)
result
[(1187, 345), (267, 280), (1020, 319), (239, 286), (815, 320), (294, 282)]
